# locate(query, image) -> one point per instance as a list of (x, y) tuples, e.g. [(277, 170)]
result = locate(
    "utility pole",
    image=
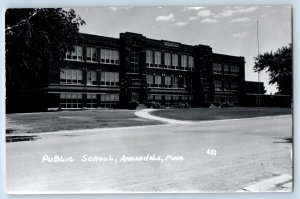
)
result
[(258, 72)]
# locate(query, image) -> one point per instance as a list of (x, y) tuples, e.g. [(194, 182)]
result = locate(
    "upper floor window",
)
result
[(109, 78), (217, 68), (175, 82), (150, 80), (174, 61), (157, 81), (191, 63), (167, 60), (91, 54), (149, 58), (70, 76), (218, 85), (76, 54), (91, 77), (226, 68), (109, 56), (134, 62), (184, 61), (168, 82), (235, 69), (157, 58)]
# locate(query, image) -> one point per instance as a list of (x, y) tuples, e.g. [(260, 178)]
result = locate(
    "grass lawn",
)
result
[(69, 120), (199, 114)]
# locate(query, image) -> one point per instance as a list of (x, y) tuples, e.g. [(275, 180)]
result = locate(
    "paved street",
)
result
[(212, 156)]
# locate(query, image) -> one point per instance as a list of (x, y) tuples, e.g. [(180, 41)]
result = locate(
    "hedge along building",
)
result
[(112, 72)]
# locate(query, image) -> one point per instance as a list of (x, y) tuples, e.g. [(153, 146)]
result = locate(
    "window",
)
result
[(70, 100), (91, 54), (184, 82), (134, 62), (150, 80), (76, 54), (174, 61), (168, 82), (235, 69), (91, 100), (235, 100), (226, 69), (226, 85), (218, 85), (183, 62), (108, 56), (150, 97), (191, 63), (109, 78), (167, 60), (109, 100), (175, 82), (70, 76), (134, 96), (234, 85), (149, 58), (158, 97), (168, 97), (217, 68), (155, 97), (157, 82), (157, 58), (91, 77), (175, 97), (184, 98)]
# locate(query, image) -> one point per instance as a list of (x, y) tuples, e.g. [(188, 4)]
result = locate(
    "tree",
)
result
[(35, 38), (279, 67)]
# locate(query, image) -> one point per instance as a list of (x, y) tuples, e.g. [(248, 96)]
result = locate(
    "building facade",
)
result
[(113, 72)]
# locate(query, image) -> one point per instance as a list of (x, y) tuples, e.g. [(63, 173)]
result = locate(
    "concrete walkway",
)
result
[(145, 113)]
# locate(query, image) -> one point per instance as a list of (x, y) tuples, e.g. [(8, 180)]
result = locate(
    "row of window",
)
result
[(171, 60), (75, 77), (225, 85), (224, 99), (166, 98), (107, 56), (159, 81), (74, 100), (226, 69)]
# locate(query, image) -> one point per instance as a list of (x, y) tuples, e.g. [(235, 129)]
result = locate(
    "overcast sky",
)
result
[(228, 30)]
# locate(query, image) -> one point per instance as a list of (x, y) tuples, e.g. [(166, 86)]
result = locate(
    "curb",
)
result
[(283, 183)]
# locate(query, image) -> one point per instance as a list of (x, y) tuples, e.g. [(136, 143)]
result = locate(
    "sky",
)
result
[(228, 30)]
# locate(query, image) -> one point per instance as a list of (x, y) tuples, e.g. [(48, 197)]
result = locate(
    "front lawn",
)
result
[(70, 120), (199, 114)]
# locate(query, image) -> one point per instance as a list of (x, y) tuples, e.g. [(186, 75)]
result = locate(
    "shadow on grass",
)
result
[(21, 138), (285, 140)]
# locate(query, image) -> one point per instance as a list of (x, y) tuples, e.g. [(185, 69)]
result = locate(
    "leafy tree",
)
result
[(279, 67), (34, 39)]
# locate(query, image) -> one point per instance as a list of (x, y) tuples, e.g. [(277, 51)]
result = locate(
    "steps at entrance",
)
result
[(141, 106)]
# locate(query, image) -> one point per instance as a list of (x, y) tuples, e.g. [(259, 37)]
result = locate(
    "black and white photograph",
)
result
[(164, 99)]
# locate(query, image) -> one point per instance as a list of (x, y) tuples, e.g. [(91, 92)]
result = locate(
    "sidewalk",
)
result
[(145, 113)]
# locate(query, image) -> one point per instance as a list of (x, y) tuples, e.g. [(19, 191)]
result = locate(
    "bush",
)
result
[(227, 104), (153, 104), (132, 105)]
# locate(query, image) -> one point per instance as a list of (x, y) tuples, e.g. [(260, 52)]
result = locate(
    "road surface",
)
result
[(212, 156)]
